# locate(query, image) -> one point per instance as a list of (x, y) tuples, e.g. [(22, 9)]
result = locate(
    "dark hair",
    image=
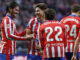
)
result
[(42, 6), (50, 14), (75, 8), (11, 5)]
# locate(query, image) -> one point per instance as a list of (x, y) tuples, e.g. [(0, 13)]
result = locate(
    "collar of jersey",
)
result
[(9, 17), (40, 21), (73, 15)]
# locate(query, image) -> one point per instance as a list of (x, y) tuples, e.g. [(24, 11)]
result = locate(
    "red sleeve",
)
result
[(21, 34), (79, 34), (10, 30), (41, 38)]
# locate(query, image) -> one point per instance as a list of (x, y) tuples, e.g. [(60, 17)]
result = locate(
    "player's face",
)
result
[(15, 11), (39, 13)]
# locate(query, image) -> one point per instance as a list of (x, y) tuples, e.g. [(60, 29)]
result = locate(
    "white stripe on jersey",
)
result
[(71, 47), (63, 52), (13, 40), (10, 26), (66, 49), (38, 35), (34, 25), (30, 22), (59, 51), (5, 25), (1, 47), (53, 51), (47, 51), (31, 47)]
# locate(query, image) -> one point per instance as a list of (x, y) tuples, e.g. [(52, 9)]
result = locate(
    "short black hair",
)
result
[(75, 8), (50, 14), (11, 5), (42, 6)]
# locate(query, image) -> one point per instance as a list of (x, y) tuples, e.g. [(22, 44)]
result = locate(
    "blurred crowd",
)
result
[(27, 11)]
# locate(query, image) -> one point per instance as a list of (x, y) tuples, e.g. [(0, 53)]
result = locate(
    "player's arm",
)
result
[(10, 34), (29, 27), (22, 33), (76, 48)]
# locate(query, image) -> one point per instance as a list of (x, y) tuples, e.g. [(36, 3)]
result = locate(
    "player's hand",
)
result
[(41, 52), (73, 58), (30, 37), (37, 48)]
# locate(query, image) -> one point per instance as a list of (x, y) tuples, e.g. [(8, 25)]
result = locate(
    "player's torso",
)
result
[(72, 25), (54, 38), (54, 32), (10, 44), (35, 31)]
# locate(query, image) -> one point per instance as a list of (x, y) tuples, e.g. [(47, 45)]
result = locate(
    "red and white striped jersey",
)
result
[(9, 35), (34, 25), (53, 39), (72, 24)]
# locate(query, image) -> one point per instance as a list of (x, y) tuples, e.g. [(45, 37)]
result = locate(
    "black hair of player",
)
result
[(50, 14), (11, 5), (42, 6), (75, 8)]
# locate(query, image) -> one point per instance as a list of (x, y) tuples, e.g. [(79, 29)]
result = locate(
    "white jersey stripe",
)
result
[(34, 25), (5, 25), (63, 51), (53, 51), (30, 22), (31, 47), (71, 47), (66, 49), (59, 51), (47, 51), (1, 46)]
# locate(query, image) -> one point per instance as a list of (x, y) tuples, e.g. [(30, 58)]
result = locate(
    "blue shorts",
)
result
[(57, 58), (3, 56), (33, 57), (70, 54)]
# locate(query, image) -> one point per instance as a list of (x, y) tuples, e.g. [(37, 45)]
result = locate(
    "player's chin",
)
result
[(38, 17)]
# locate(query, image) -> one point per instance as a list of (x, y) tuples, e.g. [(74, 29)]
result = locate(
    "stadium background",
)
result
[(27, 11)]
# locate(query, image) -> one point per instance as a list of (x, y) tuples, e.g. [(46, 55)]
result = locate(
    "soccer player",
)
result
[(52, 37), (33, 27), (9, 33), (72, 24)]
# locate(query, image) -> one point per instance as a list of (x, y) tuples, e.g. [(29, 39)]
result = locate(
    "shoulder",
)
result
[(63, 19), (33, 19), (5, 19)]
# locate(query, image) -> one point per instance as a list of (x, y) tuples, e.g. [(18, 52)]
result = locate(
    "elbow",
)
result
[(8, 37)]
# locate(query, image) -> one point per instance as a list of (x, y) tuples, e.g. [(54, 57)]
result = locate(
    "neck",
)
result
[(42, 19), (9, 14), (74, 13)]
